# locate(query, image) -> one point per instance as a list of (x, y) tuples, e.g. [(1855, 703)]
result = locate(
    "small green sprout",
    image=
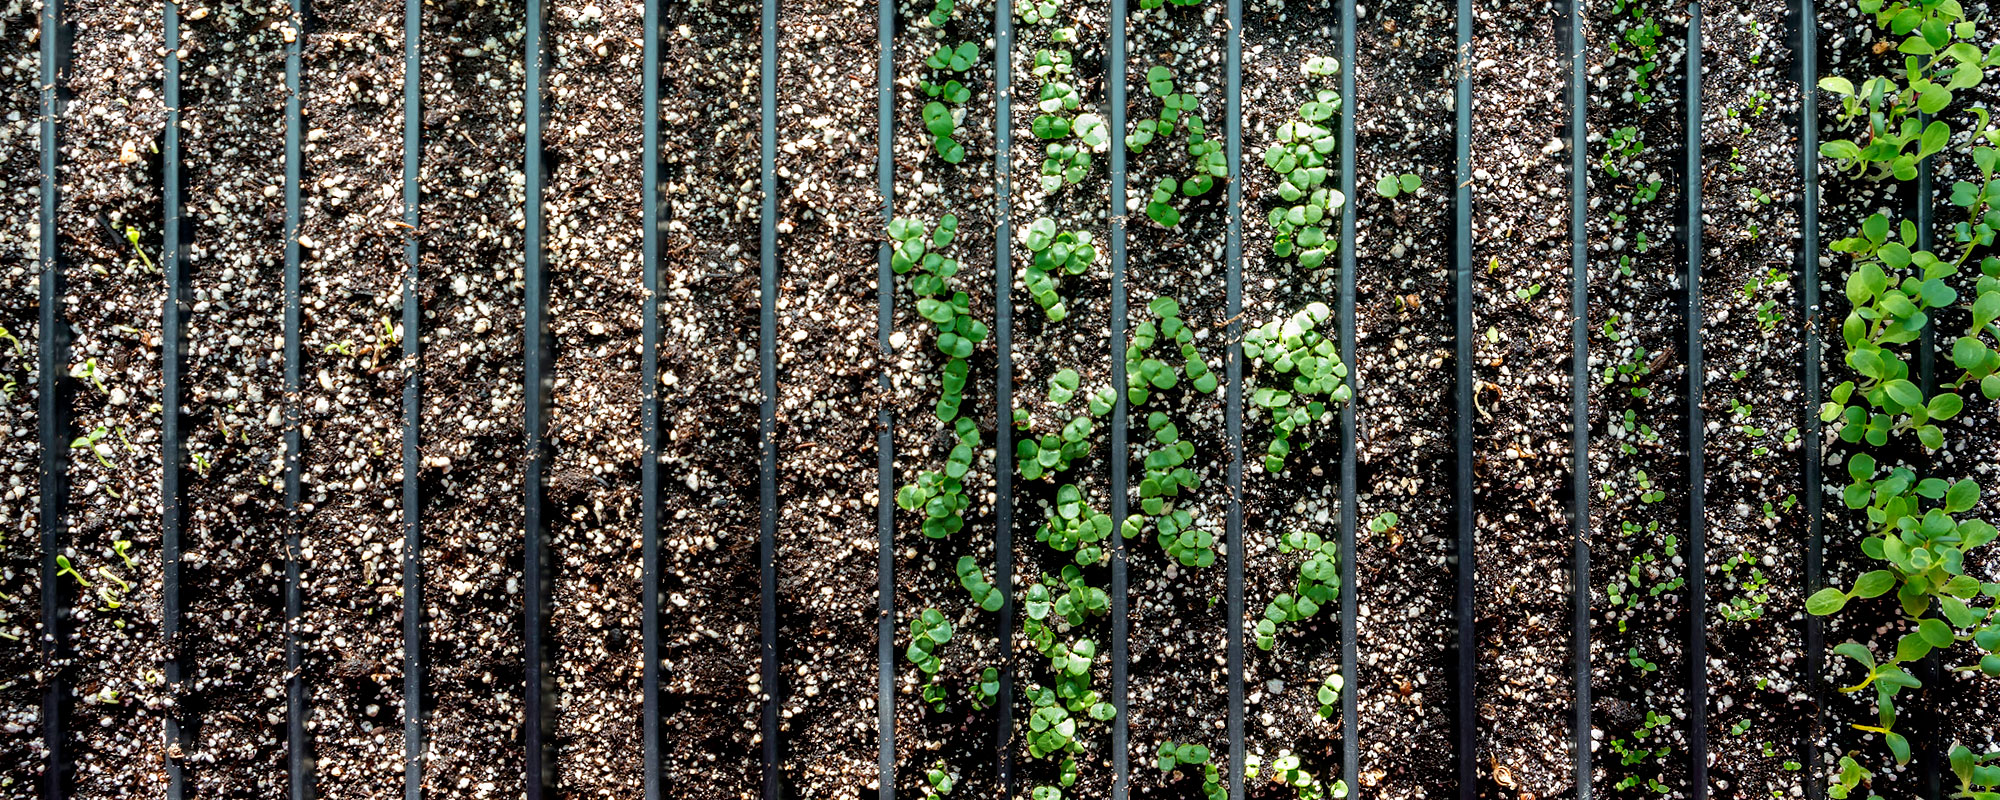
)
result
[(1318, 585), (1174, 756), (1392, 185), (928, 632), (974, 580), (123, 548), (88, 371), (63, 567), (937, 781), (1329, 695), (1293, 348)]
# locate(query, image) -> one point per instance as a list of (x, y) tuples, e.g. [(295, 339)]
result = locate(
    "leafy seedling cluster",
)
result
[(1286, 770), (1177, 110), (1074, 527), (941, 113), (1175, 756), (1318, 585), (1310, 376), (1067, 704), (928, 632), (1057, 253), (1919, 528), (1299, 156), (1070, 137)]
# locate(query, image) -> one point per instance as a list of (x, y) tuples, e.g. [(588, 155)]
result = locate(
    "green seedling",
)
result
[(1175, 756), (928, 632), (88, 372), (1286, 770), (1318, 585), (123, 548), (941, 495), (63, 567), (1057, 253), (1298, 156), (974, 580), (1390, 186), (1074, 527), (937, 780), (984, 693), (1294, 349), (93, 441), (1329, 695)]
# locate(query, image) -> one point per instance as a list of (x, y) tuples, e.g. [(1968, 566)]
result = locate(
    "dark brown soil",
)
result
[(351, 279), (470, 285), (110, 183), (597, 296), (710, 704), (232, 563), (21, 750), (828, 226), (1404, 347), (1521, 240)]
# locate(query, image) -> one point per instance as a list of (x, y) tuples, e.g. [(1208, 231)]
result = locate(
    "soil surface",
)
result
[(21, 748)]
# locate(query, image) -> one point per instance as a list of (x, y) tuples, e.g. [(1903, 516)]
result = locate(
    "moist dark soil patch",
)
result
[(233, 550), (110, 184), (1759, 716), (597, 298), (469, 281), (1281, 711), (708, 404), (1404, 349), (1522, 360), (351, 278), (21, 749), (828, 226), (1638, 397)]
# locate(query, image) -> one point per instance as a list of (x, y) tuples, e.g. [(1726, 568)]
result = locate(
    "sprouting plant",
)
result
[(132, 235), (1056, 254), (974, 580), (1173, 756), (88, 371), (63, 567), (1151, 4), (1293, 348), (1286, 769), (928, 632), (1384, 522), (8, 336), (1623, 144), (94, 442), (1390, 186), (1177, 109), (941, 13), (1318, 585), (1074, 527), (941, 495), (1329, 695), (1078, 600), (123, 548), (1851, 777), (1978, 775), (937, 779), (984, 693), (1299, 158)]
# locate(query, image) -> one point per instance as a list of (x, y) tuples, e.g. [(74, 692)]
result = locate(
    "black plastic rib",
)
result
[(297, 764), (1233, 412), (652, 231), (539, 680), (53, 408), (1465, 730), (885, 418), (1805, 38), (1350, 650), (173, 366), (1003, 428), (1697, 634), (1572, 25), (413, 401), (767, 381), (1928, 742), (1121, 728)]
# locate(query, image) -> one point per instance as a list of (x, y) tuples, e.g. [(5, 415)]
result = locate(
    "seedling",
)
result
[(1318, 585), (941, 495), (63, 567), (987, 690), (94, 442), (1056, 254), (1299, 156), (1329, 695), (1074, 527), (937, 781), (1293, 348), (974, 580), (88, 372), (1390, 186), (928, 632), (1286, 770), (1173, 756)]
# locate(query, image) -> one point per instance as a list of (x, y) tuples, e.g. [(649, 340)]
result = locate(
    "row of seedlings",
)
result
[(1639, 460), (1067, 553), (1909, 398), (1753, 400), (1177, 495), (1403, 342), (106, 245), (708, 402), (20, 457), (1294, 393), (946, 662)]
